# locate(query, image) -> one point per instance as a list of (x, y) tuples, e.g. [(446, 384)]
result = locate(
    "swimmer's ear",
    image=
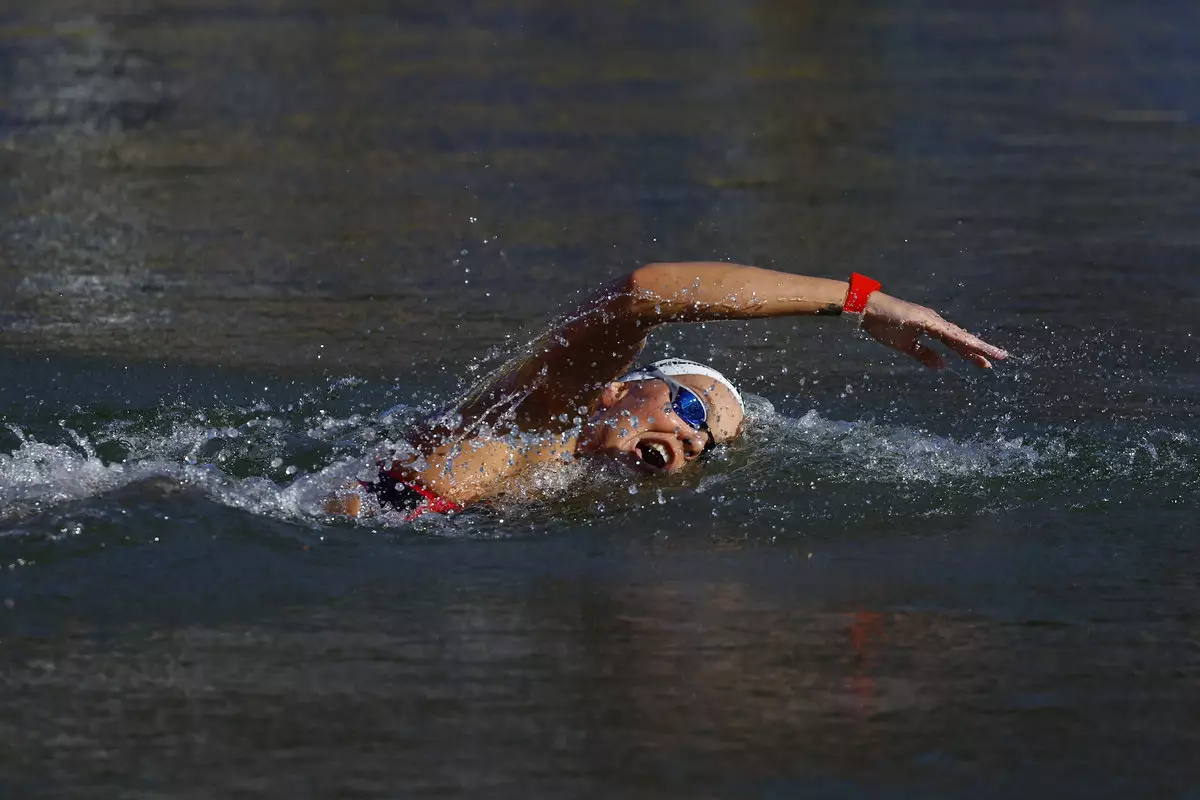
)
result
[(612, 393)]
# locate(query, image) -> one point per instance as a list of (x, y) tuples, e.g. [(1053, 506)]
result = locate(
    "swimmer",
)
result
[(575, 390)]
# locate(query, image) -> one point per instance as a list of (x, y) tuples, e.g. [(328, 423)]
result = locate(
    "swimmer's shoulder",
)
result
[(479, 468)]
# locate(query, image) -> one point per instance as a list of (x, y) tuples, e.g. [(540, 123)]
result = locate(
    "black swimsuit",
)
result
[(408, 497)]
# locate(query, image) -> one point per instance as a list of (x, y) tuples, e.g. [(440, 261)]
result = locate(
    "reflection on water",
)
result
[(615, 671), (900, 584)]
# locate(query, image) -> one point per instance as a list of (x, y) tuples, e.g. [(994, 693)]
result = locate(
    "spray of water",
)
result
[(282, 463)]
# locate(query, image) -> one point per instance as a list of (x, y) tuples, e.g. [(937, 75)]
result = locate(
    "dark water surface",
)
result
[(234, 234)]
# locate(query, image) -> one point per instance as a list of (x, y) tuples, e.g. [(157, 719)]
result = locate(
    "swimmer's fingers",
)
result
[(904, 338), (966, 344), (927, 355), (900, 324)]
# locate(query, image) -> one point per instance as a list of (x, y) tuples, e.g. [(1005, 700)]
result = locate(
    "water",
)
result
[(235, 235)]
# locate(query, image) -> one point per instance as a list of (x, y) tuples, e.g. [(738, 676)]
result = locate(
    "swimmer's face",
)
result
[(636, 423)]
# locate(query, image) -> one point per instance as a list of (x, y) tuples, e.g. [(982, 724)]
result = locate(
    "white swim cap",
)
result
[(673, 367)]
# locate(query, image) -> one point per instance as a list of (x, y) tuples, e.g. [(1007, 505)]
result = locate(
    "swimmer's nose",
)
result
[(693, 444)]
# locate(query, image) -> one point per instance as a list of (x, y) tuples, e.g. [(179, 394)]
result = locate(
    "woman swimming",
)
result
[(572, 392)]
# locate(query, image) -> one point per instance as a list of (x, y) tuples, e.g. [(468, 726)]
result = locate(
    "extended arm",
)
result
[(702, 291), (559, 377), (695, 292)]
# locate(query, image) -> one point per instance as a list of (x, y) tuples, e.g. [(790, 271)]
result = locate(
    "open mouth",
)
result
[(653, 454)]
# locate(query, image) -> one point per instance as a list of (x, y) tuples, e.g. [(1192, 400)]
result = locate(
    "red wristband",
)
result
[(861, 288)]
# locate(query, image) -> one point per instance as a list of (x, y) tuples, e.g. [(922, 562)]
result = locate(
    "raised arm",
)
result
[(695, 292), (705, 290), (559, 376)]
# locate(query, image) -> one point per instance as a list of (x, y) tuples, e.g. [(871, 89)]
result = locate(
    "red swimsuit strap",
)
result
[(433, 502)]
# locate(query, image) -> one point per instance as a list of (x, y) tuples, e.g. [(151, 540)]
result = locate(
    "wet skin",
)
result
[(637, 425), (561, 376), (634, 425)]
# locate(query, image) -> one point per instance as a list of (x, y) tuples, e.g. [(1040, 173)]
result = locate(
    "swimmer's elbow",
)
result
[(668, 292), (620, 299), (645, 281), (650, 295), (647, 293)]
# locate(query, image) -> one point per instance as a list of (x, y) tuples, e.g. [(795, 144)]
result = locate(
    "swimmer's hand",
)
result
[(345, 503), (900, 325)]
